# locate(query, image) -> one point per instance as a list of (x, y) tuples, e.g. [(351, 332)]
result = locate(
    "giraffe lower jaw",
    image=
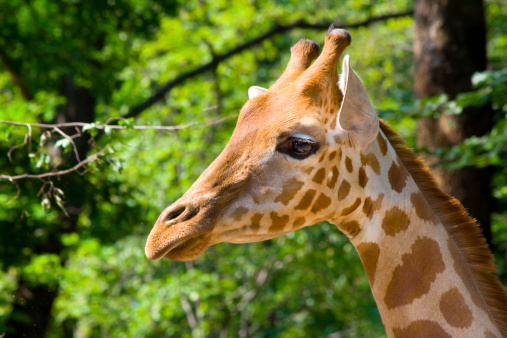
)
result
[(181, 249), (189, 249)]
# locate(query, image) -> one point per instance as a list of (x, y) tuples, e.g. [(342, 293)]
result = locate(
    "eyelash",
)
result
[(290, 145)]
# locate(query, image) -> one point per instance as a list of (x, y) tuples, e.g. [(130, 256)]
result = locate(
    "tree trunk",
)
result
[(449, 46)]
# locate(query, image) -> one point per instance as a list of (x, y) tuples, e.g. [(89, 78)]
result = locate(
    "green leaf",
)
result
[(91, 129), (63, 143)]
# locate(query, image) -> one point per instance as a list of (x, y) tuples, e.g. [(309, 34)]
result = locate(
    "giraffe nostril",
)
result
[(175, 213), (181, 213), (191, 212)]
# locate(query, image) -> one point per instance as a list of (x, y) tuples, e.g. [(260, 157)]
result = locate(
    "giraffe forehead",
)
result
[(275, 106), (283, 109), (264, 128)]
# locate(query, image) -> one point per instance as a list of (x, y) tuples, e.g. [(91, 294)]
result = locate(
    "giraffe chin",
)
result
[(189, 250), (183, 241)]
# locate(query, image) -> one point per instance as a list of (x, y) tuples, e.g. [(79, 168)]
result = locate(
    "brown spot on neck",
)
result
[(308, 170), (372, 161), (421, 329), (423, 209), (369, 252), (363, 179), (319, 176), (350, 228), (238, 213), (353, 207), (306, 200), (395, 220), (412, 279), (321, 203), (370, 206), (382, 143), (289, 190), (331, 182), (348, 164), (322, 157), (298, 222), (278, 222), (343, 190), (397, 177), (454, 309), (255, 220)]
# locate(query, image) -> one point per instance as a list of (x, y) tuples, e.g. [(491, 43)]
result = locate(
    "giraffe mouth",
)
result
[(177, 241), (189, 249)]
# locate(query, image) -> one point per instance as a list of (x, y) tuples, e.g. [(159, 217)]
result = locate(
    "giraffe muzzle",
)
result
[(181, 232)]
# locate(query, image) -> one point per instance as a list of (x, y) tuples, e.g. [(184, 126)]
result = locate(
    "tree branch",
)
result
[(99, 126), (56, 173), (217, 59), (71, 140), (81, 125)]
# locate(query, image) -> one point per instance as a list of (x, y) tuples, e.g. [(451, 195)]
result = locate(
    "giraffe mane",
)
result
[(463, 229)]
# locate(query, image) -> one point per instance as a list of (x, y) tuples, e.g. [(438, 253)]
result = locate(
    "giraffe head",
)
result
[(282, 169)]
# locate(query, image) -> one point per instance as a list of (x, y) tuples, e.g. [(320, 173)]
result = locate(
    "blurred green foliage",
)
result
[(308, 283)]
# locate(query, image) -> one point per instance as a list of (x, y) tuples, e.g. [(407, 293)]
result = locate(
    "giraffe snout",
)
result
[(181, 232)]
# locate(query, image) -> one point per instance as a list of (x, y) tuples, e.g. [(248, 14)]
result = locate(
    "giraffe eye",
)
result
[(298, 148)]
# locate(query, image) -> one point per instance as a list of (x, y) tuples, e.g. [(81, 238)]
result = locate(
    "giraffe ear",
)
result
[(255, 91), (356, 114)]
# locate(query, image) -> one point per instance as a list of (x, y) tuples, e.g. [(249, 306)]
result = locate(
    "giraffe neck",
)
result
[(420, 279)]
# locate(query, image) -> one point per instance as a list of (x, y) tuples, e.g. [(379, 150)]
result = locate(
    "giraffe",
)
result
[(311, 148)]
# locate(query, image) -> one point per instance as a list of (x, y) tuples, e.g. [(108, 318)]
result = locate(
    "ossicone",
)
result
[(301, 56)]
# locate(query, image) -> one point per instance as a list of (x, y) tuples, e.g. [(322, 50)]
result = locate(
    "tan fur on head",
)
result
[(463, 229)]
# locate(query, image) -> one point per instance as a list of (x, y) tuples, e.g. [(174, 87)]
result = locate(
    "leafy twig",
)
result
[(81, 126)]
